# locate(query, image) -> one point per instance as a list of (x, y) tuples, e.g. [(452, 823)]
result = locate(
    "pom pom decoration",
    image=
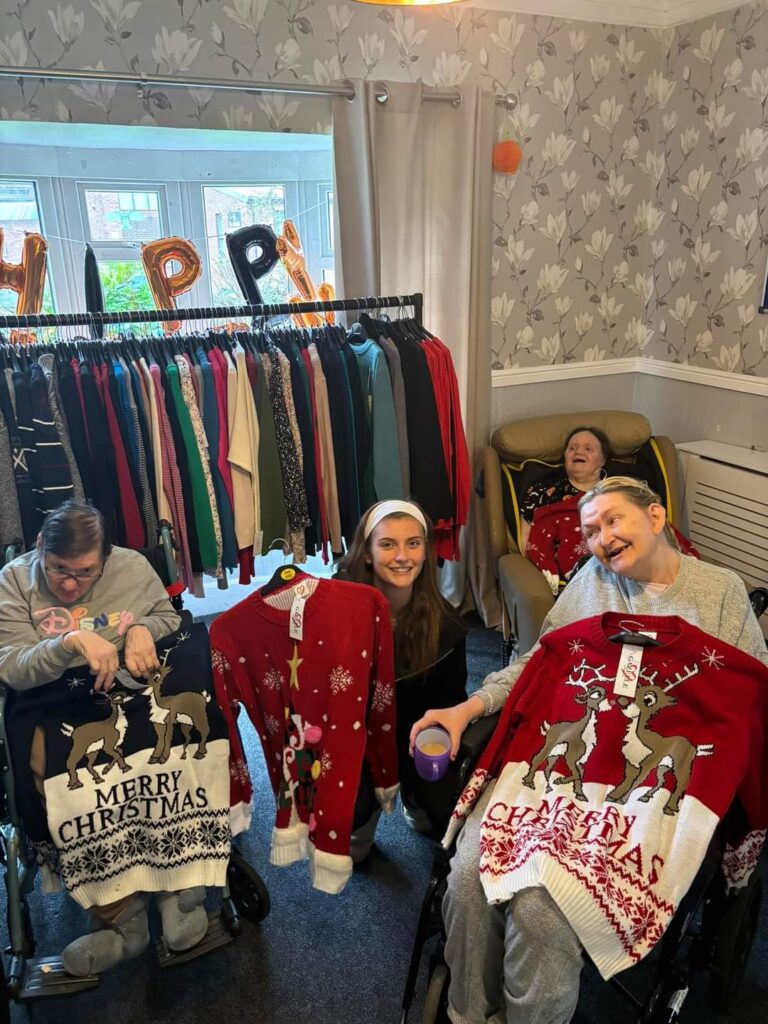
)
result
[(507, 155)]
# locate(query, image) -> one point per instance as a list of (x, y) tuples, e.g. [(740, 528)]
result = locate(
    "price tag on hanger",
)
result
[(301, 592), (628, 671)]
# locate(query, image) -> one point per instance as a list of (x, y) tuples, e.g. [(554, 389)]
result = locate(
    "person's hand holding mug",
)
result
[(432, 753), (454, 720), (100, 654)]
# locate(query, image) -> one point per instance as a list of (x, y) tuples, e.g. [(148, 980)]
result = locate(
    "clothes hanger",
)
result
[(284, 576), (628, 634), (636, 639)]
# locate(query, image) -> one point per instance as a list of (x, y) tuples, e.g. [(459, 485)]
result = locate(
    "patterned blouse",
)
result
[(546, 492)]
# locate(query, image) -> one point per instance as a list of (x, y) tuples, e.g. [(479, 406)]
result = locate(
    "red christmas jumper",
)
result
[(609, 801), (320, 705)]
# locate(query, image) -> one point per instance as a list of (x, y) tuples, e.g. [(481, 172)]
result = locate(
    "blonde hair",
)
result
[(636, 491)]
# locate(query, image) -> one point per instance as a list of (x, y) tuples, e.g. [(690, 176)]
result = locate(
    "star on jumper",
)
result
[(294, 663)]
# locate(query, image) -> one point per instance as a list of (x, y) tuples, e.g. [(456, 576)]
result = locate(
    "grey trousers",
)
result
[(512, 963)]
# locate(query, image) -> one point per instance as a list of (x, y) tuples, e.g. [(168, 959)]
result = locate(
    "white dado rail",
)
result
[(740, 382)]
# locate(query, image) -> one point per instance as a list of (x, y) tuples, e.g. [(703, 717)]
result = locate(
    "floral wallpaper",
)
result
[(635, 222)]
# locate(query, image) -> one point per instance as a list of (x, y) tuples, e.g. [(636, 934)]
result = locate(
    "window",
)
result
[(19, 213), (117, 220), (122, 216), (146, 183), (241, 205)]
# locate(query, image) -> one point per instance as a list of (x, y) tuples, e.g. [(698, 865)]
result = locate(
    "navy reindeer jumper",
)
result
[(136, 780)]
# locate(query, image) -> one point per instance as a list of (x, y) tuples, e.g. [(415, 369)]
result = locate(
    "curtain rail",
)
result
[(141, 81), (144, 316)]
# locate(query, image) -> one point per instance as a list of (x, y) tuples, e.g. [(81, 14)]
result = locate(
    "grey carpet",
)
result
[(319, 959)]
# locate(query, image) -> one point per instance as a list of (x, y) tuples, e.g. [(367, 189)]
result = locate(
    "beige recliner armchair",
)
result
[(525, 594)]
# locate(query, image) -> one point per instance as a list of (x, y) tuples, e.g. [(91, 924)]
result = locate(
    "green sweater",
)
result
[(33, 622), (708, 596)]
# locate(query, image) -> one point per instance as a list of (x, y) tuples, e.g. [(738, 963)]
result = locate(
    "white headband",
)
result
[(387, 508)]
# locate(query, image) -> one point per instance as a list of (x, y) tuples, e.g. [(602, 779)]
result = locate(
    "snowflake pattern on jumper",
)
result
[(238, 769), (273, 679), (340, 679), (219, 662), (383, 695), (712, 658), (273, 725), (739, 862), (326, 763), (637, 915)]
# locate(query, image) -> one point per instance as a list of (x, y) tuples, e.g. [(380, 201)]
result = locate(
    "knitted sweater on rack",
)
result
[(321, 704), (612, 778)]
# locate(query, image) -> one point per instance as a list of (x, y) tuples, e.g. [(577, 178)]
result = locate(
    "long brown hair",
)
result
[(417, 632), (636, 491)]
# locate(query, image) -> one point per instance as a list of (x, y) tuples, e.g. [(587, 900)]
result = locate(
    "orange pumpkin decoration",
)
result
[(507, 156)]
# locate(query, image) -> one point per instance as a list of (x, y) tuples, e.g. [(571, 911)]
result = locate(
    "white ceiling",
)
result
[(641, 13)]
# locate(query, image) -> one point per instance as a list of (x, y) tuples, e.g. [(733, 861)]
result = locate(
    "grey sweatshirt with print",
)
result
[(708, 596), (33, 622)]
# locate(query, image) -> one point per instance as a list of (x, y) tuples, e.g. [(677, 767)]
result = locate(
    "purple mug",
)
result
[(432, 753)]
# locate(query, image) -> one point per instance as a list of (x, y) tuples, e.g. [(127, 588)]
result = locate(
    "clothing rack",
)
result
[(143, 316)]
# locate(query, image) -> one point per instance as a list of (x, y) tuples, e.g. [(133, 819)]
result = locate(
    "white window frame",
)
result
[(49, 226), (64, 219)]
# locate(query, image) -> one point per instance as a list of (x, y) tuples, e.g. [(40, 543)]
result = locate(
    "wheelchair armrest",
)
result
[(473, 743), (476, 735), (758, 598)]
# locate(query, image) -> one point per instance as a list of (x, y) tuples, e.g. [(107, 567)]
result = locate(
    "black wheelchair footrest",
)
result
[(216, 937), (45, 977)]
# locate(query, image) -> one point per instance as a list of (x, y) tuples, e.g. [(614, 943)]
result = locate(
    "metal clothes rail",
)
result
[(144, 316)]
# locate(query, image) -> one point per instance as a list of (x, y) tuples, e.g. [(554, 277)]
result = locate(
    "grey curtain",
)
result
[(413, 200)]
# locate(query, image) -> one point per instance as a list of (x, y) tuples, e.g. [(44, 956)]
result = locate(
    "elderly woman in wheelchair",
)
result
[(587, 817), (77, 601)]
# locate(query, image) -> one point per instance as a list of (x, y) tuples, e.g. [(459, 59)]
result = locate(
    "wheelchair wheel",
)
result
[(436, 1002), (247, 889), (733, 943)]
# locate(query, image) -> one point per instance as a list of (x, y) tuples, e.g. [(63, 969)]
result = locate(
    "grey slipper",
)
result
[(181, 930), (125, 938)]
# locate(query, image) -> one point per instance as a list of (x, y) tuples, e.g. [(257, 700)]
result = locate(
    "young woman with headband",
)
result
[(392, 550)]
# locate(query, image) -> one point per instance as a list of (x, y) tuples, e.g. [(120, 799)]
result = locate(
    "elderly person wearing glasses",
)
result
[(77, 600)]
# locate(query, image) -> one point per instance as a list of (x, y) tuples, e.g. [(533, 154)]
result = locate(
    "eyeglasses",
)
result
[(78, 577), (86, 576)]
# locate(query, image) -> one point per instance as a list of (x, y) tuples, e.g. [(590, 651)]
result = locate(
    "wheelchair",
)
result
[(712, 930), (24, 977)]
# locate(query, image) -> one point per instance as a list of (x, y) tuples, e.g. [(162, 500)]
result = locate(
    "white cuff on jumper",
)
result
[(289, 844), (330, 871), (240, 817), (386, 797)]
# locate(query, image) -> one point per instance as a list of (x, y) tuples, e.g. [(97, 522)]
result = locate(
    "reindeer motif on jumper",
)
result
[(90, 738), (646, 751), (187, 708), (574, 740)]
